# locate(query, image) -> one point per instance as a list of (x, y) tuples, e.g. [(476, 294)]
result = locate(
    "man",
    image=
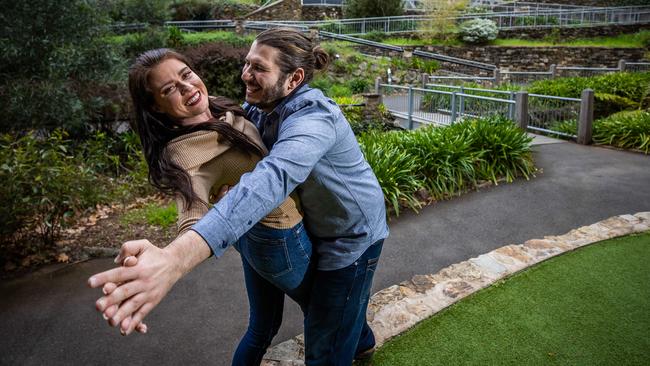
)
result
[(312, 150)]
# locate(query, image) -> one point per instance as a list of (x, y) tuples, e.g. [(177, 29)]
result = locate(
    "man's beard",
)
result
[(271, 97)]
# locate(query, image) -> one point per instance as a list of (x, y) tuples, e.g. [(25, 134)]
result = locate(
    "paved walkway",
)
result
[(51, 320)]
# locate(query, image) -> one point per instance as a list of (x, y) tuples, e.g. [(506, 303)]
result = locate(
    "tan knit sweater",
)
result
[(212, 164)]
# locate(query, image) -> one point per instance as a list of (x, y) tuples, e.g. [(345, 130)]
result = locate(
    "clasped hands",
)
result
[(132, 290)]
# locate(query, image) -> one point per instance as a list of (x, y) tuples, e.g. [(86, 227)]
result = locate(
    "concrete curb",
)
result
[(399, 307)]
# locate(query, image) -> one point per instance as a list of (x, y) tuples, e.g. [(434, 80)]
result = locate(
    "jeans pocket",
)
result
[(367, 281), (268, 256)]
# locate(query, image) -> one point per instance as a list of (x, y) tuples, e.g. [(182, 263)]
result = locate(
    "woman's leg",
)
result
[(266, 304), (282, 257)]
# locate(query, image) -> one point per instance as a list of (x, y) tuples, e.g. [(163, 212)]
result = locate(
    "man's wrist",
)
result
[(187, 251)]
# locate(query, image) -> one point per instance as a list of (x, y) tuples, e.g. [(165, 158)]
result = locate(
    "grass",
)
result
[(587, 307), (151, 214), (218, 36), (635, 40)]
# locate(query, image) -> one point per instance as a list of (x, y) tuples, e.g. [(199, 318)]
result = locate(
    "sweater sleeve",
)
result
[(201, 185)]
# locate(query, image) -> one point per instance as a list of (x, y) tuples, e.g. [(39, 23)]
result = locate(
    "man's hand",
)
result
[(142, 286)]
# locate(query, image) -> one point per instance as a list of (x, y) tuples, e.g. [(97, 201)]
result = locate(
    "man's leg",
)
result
[(336, 320)]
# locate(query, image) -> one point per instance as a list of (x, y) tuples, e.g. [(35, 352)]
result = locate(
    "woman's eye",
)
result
[(187, 75), (168, 90)]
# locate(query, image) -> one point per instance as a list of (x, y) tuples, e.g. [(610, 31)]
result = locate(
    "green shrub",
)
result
[(43, 183), (137, 11), (627, 130), (393, 167), (446, 160), (136, 43), (220, 66), (337, 90), (375, 36), (505, 149), (53, 56), (213, 9), (478, 31), (358, 85), (322, 83), (613, 92), (372, 8)]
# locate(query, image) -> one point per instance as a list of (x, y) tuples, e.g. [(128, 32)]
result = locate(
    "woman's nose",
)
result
[(184, 87)]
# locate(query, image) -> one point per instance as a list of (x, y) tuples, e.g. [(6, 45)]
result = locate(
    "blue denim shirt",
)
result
[(314, 151)]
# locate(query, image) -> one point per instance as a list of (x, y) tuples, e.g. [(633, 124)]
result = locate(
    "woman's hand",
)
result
[(109, 287)]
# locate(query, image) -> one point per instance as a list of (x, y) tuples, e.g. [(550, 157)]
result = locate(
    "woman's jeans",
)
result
[(276, 262)]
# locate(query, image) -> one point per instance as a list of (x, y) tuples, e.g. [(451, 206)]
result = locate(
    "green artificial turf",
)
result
[(587, 307)]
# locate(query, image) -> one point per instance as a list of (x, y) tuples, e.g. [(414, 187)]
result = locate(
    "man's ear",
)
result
[(296, 78)]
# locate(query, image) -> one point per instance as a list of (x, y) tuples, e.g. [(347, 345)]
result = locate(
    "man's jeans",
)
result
[(275, 262), (335, 325)]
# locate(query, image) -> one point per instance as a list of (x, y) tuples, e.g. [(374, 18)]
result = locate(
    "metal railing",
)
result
[(342, 37), (447, 104), (418, 106), (324, 2), (201, 24), (526, 77)]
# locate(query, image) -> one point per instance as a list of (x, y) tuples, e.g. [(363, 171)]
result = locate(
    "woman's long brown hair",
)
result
[(156, 130)]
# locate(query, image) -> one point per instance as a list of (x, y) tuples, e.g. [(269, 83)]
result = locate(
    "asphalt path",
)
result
[(50, 320)]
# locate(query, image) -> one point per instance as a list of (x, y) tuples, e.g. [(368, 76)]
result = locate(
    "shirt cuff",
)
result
[(214, 229)]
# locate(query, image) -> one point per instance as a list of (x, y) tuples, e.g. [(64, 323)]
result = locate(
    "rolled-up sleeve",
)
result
[(303, 139)]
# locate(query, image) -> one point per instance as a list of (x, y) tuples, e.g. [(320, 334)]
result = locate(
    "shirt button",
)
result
[(250, 222), (224, 244)]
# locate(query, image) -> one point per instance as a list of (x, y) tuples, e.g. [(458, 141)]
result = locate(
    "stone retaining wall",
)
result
[(281, 9), (529, 58), (396, 309), (321, 12), (572, 32)]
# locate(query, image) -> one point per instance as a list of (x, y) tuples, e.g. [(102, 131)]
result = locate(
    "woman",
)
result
[(194, 144)]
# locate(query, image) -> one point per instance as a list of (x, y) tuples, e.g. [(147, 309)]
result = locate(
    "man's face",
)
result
[(265, 83)]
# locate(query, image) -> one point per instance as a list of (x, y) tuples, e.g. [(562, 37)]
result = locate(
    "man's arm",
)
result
[(304, 138), (145, 284)]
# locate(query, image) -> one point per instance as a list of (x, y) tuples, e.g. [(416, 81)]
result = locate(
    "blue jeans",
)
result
[(335, 323), (276, 262)]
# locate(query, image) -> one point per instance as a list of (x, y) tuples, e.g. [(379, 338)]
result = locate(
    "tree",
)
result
[(372, 8), (54, 58)]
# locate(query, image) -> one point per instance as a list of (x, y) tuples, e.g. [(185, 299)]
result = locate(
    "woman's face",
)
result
[(179, 92)]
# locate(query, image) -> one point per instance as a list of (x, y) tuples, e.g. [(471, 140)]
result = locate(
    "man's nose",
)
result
[(245, 75)]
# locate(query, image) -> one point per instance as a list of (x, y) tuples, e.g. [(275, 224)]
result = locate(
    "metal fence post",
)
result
[(462, 101), (511, 107), (621, 65), (410, 111), (425, 79), (586, 119), (553, 71), (497, 76), (453, 107), (377, 83), (521, 109)]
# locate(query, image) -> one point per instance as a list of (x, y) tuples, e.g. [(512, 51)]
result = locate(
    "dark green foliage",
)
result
[(375, 36), (372, 8), (137, 11), (613, 92), (136, 43), (627, 130), (53, 57), (358, 85), (220, 65), (394, 168), (209, 9), (48, 179)]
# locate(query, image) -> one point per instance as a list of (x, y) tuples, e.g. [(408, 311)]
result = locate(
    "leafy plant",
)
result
[(372, 8), (627, 130), (478, 31)]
